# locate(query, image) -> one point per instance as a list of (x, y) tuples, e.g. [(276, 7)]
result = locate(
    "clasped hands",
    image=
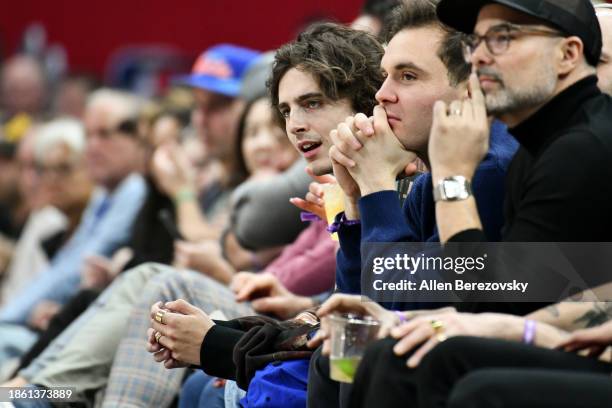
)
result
[(178, 328), (366, 155), (176, 334)]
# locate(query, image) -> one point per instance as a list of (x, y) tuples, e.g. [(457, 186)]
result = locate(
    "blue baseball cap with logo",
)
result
[(220, 69)]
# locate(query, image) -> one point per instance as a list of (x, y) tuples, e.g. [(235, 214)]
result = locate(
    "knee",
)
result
[(380, 351), (319, 364), (479, 389), (447, 354), (145, 271), (182, 281)]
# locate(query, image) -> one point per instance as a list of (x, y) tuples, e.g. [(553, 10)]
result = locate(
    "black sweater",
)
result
[(217, 349), (559, 184)]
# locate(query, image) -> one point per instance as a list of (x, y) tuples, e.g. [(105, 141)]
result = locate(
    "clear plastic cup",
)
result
[(349, 336)]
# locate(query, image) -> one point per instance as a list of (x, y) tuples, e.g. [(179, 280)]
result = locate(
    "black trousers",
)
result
[(521, 388), (323, 392), (384, 380)]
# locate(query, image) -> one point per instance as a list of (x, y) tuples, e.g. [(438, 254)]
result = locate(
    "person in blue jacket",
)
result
[(369, 153), (423, 63)]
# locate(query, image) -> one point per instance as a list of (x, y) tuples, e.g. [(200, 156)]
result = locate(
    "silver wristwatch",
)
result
[(454, 188)]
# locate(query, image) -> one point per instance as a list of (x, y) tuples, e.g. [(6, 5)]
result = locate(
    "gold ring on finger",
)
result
[(437, 325), (157, 336), (159, 316)]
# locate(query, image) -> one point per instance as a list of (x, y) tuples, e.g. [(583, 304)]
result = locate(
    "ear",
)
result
[(571, 53)]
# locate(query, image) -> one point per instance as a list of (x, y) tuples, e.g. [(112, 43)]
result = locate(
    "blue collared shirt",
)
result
[(105, 226)]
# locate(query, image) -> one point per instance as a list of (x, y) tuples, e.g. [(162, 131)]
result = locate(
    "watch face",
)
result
[(452, 189)]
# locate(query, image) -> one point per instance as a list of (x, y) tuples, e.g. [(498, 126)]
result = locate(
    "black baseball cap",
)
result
[(572, 17)]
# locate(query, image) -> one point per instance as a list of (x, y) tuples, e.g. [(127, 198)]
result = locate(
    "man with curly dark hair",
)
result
[(328, 73)]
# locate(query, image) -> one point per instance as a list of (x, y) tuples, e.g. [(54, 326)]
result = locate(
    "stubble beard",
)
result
[(536, 93)]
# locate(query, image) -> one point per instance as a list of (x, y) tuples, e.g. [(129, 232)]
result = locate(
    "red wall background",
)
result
[(90, 30)]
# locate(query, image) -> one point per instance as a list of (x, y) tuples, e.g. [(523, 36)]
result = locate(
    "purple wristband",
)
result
[(308, 216), (529, 332), (401, 317), (335, 226)]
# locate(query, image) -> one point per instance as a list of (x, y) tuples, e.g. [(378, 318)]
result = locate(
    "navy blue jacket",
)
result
[(383, 219)]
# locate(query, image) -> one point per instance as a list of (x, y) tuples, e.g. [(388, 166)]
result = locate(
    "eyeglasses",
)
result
[(127, 127), (61, 170), (498, 38)]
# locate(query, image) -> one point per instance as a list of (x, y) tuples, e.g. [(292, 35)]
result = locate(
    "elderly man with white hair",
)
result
[(60, 189), (58, 144)]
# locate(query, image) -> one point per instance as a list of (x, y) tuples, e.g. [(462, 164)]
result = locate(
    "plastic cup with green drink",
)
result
[(349, 335)]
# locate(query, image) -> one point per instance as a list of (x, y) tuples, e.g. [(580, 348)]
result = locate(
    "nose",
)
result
[(385, 94), (199, 117), (296, 123), (481, 56), (93, 142), (264, 141)]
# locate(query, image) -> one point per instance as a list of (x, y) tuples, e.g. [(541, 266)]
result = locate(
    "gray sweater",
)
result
[(262, 216)]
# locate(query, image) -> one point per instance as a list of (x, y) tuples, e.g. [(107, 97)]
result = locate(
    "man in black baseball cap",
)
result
[(571, 17), (534, 69)]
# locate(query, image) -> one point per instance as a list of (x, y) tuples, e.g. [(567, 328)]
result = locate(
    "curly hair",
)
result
[(345, 63)]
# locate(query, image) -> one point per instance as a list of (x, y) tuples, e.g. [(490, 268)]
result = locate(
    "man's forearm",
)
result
[(453, 217), (192, 223), (512, 328), (572, 316), (222, 271)]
